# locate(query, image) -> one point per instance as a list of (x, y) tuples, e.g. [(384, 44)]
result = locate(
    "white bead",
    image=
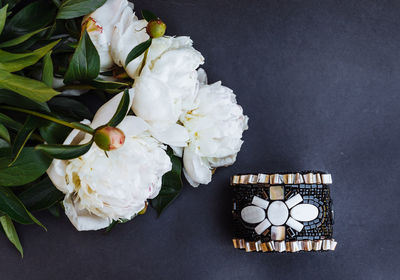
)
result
[(252, 214), (304, 212), (326, 179), (294, 200), (261, 227), (278, 233), (294, 224), (257, 201), (252, 179), (263, 178), (277, 213)]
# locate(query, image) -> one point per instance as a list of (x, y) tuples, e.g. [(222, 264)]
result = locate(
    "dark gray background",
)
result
[(320, 83)]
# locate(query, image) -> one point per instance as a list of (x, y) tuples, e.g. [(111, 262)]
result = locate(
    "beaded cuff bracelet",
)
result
[(288, 212)]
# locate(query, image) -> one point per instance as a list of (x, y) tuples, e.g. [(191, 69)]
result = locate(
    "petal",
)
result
[(82, 219), (133, 126), (197, 170), (174, 135), (202, 76), (100, 27), (56, 171), (106, 112)]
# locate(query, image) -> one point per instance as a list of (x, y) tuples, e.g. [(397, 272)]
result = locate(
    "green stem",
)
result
[(144, 61), (50, 118)]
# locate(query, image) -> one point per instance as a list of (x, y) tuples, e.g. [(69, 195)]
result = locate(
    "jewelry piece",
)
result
[(287, 212)]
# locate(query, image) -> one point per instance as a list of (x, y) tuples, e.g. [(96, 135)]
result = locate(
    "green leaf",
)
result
[(70, 108), (101, 84), (137, 51), (148, 16), (84, 127), (85, 63), (22, 137), (3, 17), (13, 62), (41, 196), (57, 3), (20, 39), (65, 151), (4, 133), (13, 207), (55, 210), (30, 165), (9, 122), (54, 133), (122, 110), (77, 8), (30, 88), (10, 98), (34, 16), (10, 3), (47, 74), (11, 233), (171, 185), (4, 144)]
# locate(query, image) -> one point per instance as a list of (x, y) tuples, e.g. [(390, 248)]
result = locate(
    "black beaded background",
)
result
[(317, 195)]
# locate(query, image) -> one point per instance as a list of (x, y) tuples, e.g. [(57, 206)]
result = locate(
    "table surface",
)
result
[(320, 83)]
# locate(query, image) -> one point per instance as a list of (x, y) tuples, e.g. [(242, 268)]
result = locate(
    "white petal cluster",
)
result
[(100, 26), (167, 87), (203, 123), (215, 125), (99, 188)]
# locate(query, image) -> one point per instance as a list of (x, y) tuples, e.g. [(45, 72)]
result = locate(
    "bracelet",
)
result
[(287, 212)]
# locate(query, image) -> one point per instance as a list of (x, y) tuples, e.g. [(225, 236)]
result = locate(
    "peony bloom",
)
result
[(99, 188), (215, 125), (128, 33), (100, 26), (167, 87)]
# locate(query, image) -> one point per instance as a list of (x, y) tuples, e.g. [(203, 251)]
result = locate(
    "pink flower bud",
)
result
[(109, 138)]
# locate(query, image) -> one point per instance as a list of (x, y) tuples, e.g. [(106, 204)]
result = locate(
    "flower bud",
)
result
[(109, 138), (156, 28)]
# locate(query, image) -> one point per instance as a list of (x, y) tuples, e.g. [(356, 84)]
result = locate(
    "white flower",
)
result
[(128, 33), (100, 26), (167, 87), (99, 189), (215, 124)]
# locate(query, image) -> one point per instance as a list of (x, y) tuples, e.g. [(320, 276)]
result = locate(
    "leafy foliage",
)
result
[(138, 50), (41, 195), (13, 62), (44, 51), (171, 185), (76, 8), (85, 63), (148, 16), (64, 151), (29, 166), (13, 207), (11, 233), (122, 110)]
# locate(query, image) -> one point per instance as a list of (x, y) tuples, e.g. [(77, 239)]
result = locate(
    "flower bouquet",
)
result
[(162, 118)]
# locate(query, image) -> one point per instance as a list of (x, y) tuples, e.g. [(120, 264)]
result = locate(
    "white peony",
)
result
[(167, 87), (100, 26), (99, 189), (215, 125), (128, 33)]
